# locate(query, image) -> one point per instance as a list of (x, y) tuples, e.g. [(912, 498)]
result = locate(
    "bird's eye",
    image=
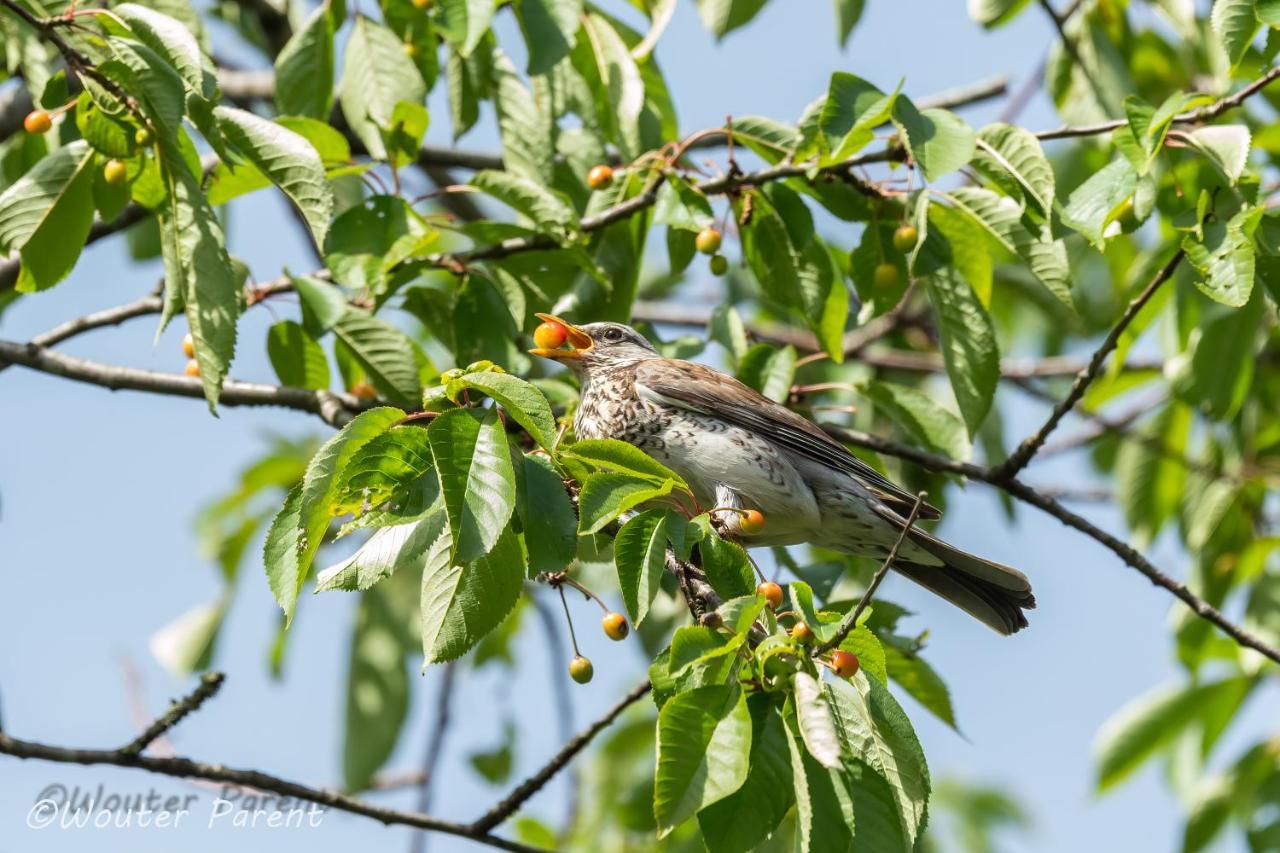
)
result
[(613, 335)]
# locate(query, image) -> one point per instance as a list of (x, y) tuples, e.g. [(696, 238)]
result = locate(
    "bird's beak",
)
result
[(578, 340)]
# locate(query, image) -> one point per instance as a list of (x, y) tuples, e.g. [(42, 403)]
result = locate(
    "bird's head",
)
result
[(596, 346)]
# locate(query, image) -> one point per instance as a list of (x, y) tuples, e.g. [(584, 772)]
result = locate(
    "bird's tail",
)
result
[(991, 592)]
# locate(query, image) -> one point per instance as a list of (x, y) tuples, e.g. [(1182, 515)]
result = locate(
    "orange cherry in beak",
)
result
[(554, 333)]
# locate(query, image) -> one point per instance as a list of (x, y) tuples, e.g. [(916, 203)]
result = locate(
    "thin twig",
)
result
[(210, 684), (1022, 455), (537, 781), (851, 618)]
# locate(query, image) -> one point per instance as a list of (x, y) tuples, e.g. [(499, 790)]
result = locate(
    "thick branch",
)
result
[(1026, 494), (1022, 455), (537, 781)]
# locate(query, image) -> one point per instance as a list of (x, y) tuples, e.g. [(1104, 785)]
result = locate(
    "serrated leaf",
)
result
[(1097, 202), (993, 13), (817, 726), (624, 85), (462, 603), (1226, 146), (288, 159), (376, 75), (544, 207), (852, 110), (704, 742), (549, 27), (770, 370), (771, 140), (639, 552), (918, 678), (464, 22), (46, 214), (969, 349), (547, 517), (521, 400), (387, 551), (172, 40), (383, 352), (304, 68), (473, 459), (606, 496), (1004, 149), (299, 527), (527, 132), (939, 141), (724, 16), (391, 467), (609, 454), (1235, 24), (917, 413), (744, 819), (296, 357), (1224, 258)]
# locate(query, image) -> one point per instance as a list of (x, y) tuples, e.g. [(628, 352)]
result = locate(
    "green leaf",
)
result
[(1225, 257), (770, 370), (473, 459), (861, 641), (462, 603), (1011, 154), (679, 205), (606, 496), (917, 413), (323, 303), (376, 75), (623, 84), (1235, 24), (694, 645), (848, 12), (395, 466), (300, 526), (704, 742), (547, 517), (389, 550), (771, 140), (609, 454), (384, 353), (1153, 721), (1226, 146), (743, 820), (377, 683), (464, 22), (969, 348), (994, 13), (186, 644), (549, 27), (547, 209), (724, 16), (296, 357), (875, 729), (1220, 372), (47, 214), (288, 159), (639, 552), (938, 141), (824, 820), (172, 40), (140, 69), (1097, 202), (304, 68), (522, 401), (1150, 483), (527, 130), (728, 570), (910, 672), (852, 110), (817, 726), (198, 272)]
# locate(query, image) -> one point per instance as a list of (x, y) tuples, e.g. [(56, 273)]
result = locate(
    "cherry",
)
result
[(599, 177), (37, 121), (580, 669), (143, 137), (844, 664), (615, 626), (423, 4), (189, 346), (550, 336), (363, 391), (751, 522), (708, 241), (192, 368), (802, 633), (886, 276), (772, 592), (719, 265), (904, 239), (410, 49), (115, 172)]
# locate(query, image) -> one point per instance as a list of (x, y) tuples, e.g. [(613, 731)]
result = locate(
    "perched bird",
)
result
[(737, 448)]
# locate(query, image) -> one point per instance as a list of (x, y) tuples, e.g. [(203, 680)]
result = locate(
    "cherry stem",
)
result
[(573, 638), (582, 589)]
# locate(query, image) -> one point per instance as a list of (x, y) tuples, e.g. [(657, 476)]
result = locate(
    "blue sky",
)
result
[(99, 490)]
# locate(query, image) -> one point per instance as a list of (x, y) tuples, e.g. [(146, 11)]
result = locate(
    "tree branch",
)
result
[(1022, 455), (537, 781), (1027, 494), (210, 684)]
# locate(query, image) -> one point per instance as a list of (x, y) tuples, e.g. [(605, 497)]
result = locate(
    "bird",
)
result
[(739, 451)]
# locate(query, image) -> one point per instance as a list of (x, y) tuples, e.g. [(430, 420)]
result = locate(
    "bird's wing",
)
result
[(696, 388)]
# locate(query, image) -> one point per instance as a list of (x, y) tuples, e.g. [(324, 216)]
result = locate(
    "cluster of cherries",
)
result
[(843, 664), (114, 172)]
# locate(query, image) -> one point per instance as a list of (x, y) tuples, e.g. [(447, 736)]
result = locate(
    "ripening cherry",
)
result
[(192, 368), (844, 664), (772, 593), (188, 345), (423, 4), (115, 172), (719, 265), (550, 336), (904, 239), (410, 49), (363, 391), (802, 633), (751, 522), (615, 626), (580, 669), (143, 137), (599, 177), (708, 241), (886, 276), (37, 122)]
